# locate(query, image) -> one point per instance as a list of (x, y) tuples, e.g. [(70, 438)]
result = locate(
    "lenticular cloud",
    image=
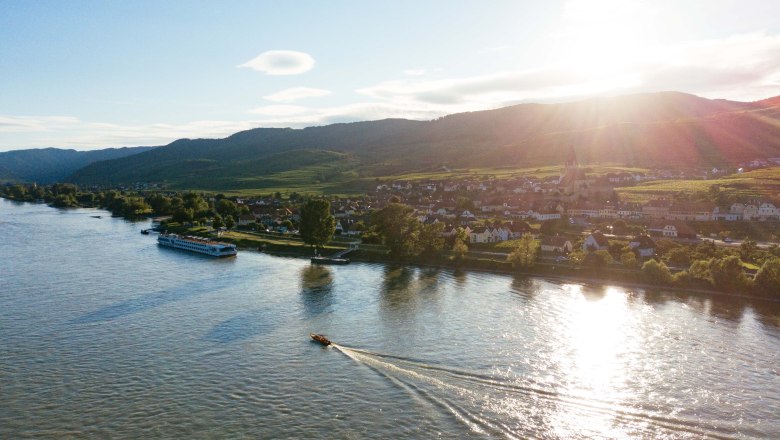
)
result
[(281, 62)]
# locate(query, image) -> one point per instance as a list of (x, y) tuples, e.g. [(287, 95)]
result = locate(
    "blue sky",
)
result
[(93, 74)]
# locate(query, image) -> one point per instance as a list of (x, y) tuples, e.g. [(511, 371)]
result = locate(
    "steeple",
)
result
[(571, 158)]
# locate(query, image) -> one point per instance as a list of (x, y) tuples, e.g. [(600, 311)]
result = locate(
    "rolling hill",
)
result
[(669, 129), (47, 165)]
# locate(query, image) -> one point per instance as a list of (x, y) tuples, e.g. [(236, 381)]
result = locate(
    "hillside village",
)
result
[(494, 210)]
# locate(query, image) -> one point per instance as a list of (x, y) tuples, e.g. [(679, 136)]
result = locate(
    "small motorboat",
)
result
[(145, 231), (320, 338), (96, 216)]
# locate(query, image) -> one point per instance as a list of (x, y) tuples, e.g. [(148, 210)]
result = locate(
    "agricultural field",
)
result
[(507, 173), (762, 183)]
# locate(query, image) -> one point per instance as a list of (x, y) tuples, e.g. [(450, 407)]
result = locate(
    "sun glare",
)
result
[(595, 340), (600, 40)]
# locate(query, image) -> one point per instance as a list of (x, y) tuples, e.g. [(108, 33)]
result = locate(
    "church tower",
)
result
[(573, 183), (571, 159)]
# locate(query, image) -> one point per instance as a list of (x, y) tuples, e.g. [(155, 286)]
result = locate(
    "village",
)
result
[(572, 210)]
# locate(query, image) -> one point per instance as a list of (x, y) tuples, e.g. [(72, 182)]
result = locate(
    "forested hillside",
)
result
[(46, 165), (659, 129)]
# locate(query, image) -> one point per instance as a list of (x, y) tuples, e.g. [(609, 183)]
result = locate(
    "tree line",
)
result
[(187, 207)]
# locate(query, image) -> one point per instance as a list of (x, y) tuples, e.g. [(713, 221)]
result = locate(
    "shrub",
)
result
[(628, 259), (727, 274), (654, 272), (767, 279)]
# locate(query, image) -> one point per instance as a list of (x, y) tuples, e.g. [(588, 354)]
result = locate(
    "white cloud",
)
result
[(14, 124), (281, 62), (298, 117), (70, 132), (494, 90), (741, 67), (296, 93)]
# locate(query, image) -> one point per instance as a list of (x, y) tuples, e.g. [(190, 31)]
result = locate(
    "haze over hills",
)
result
[(668, 129), (47, 165)]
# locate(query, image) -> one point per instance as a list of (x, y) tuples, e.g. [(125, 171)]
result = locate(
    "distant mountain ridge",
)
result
[(47, 165), (665, 129)]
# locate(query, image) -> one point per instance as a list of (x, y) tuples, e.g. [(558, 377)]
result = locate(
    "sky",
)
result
[(96, 74)]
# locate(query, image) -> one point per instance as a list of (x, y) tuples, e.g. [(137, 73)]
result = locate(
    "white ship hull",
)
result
[(197, 245)]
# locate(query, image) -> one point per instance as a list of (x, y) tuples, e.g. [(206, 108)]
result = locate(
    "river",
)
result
[(103, 334)]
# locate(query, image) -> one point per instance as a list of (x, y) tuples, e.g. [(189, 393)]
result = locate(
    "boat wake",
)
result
[(514, 407)]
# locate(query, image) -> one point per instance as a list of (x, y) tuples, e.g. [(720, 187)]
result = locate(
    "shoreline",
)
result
[(535, 274)]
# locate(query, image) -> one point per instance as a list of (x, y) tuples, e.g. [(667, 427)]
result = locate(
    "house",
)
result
[(631, 211), (608, 211), (267, 221), (700, 212), (748, 211), (672, 229), (518, 228), (595, 242), (768, 211), (498, 234), (643, 245), (556, 244), (583, 210), (722, 214), (546, 215), (245, 219), (480, 235), (656, 208), (442, 211), (450, 231)]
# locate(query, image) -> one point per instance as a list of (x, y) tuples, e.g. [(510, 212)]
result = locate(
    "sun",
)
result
[(602, 41)]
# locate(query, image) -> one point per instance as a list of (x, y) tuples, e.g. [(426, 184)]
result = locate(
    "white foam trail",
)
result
[(396, 370), (474, 422)]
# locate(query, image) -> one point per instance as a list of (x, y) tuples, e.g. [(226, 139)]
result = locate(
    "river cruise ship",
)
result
[(197, 244)]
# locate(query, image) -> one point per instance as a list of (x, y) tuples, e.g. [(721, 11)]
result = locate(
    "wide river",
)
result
[(103, 334)]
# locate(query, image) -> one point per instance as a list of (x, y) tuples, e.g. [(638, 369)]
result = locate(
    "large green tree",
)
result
[(431, 240), (196, 203), (399, 229), (317, 224), (459, 246), (525, 252), (225, 207), (767, 279), (655, 272), (728, 275), (160, 204)]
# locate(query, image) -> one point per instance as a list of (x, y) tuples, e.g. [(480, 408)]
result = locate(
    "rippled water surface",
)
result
[(104, 334)]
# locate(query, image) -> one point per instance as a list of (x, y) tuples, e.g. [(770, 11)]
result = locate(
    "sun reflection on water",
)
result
[(596, 343)]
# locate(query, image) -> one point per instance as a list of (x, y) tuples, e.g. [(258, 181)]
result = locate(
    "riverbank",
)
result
[(294, 247)]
